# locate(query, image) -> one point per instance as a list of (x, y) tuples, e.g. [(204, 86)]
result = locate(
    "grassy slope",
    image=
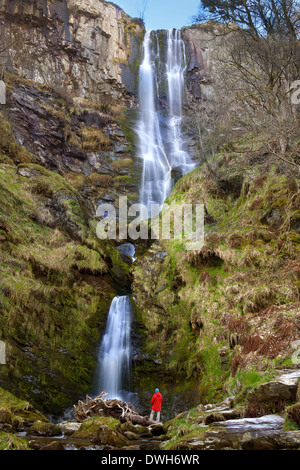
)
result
[(223, 318), (56, 282)]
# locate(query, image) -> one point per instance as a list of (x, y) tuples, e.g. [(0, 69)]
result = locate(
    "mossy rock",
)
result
[(17, 412), (102, 430), (5, 415), (128, 426), (293, 413), (131, 435), (44, 429), (213, 417), (11, 442), (172, 423)]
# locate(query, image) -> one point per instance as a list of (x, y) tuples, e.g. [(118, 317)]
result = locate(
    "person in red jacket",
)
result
[(156, 402)]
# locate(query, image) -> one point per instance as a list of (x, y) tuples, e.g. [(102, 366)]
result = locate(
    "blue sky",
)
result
[(161, 14)]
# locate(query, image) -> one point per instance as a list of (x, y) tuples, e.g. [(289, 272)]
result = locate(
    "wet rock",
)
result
[(210, 441), (130, 435), (69, 427), (264, 433), (284, 387), (102, 431), (53, 446), (5, 415), (44, 429), (243, 425), (260, 443), (277, 441), (233, 414)]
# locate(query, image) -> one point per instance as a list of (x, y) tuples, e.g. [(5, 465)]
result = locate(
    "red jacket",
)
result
[(156, 401)]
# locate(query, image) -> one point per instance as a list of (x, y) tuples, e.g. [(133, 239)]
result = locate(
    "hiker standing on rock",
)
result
[(156, 402)]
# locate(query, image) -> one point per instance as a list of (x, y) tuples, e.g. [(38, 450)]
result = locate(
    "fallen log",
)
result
[(99, 406)]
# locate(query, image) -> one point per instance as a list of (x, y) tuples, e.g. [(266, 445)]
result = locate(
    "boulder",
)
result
[(5, 415), (130, 435), (279, 441), (44, 429), (102, 430), (69, 427), (53, 446), (245, 425), (282, 388)]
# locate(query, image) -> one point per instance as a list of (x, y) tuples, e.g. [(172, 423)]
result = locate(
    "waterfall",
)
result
[(114, 352), (161, 148), (160, 141), (175, 68)]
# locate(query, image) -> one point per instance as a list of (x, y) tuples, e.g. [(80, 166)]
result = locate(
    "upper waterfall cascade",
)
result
[(159, 132)]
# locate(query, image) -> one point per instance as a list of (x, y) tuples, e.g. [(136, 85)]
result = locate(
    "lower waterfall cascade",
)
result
[(114, 352)]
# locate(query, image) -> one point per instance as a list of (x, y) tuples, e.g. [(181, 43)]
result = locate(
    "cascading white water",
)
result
[(175, 68), (114, 353), (161, 150), (156, 176)]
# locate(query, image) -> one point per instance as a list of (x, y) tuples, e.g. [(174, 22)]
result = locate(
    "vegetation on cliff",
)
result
[(210, 323), (225, 317), (57, 277)]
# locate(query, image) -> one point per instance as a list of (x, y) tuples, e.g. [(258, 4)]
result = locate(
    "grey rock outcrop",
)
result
[(284, 387), (81, 46)]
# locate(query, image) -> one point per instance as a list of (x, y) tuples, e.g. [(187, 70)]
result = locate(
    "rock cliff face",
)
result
[(65, 146), (200, 65), (84, 46), (71, 74)]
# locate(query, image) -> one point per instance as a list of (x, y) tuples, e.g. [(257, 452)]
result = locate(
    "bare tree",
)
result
[(258, 17), (143, 10), (259, 68)]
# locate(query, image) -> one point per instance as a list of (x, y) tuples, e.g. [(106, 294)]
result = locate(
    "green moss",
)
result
[(122, 164), (102, 430), (195, 302), (47, 182), (8, 145), (55, 290), (9, 441), (94, 140), (87, 260), (182, 429)]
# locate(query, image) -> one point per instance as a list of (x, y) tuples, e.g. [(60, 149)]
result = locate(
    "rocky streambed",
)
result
[(274, 424), (97, 433), (229, 425)]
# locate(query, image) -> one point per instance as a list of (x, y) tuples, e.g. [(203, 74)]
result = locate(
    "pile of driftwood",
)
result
[(113, 407)]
